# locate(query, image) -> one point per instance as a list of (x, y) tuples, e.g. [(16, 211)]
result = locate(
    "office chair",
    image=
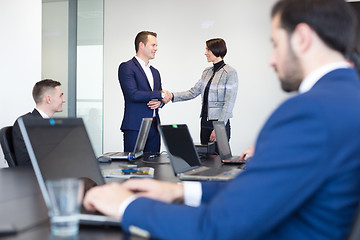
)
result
[(7, 145), (355, 230)]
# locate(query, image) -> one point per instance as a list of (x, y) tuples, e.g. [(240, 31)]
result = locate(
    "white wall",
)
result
[(20, 58), (183, 27)]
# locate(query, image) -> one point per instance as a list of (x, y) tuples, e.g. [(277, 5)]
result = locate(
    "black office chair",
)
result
[(7, 145), (355, 229)]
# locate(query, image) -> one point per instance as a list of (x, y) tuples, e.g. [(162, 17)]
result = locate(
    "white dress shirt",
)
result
[(148, 74), (315, 76), (43, 115), (147, 71)]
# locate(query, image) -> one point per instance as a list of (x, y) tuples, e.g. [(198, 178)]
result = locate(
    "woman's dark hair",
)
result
[(333, 20), (217, 46)]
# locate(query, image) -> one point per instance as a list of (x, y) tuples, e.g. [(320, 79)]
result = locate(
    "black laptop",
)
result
[(61, 148), (184, 158), (223, 144)]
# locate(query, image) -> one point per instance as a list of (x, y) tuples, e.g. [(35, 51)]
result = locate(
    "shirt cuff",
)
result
[(125, 204), (192, 193)]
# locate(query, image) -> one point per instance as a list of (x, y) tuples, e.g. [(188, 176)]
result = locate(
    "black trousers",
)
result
[(207, 128)]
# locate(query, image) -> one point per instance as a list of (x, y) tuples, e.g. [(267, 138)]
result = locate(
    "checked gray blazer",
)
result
[(222, 92)]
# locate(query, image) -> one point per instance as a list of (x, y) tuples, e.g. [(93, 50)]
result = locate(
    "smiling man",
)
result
[(303, 181), (49, 99), (141, 86)]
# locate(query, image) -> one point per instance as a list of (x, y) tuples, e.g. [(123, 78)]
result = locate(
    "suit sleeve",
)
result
[(210, 189), (286, 162), (130, 86), (192, 92), (189, 94), (156, 75)]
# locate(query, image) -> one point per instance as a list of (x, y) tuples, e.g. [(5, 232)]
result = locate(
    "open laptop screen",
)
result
[(143, 135), (222, 140), (180, 147), (61, 148)]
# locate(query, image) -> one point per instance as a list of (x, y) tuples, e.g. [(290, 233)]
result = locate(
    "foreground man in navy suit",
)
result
[(303, 181)]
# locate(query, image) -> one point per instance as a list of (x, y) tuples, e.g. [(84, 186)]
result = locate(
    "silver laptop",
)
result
[(223, 144), (184, 158), (60, 148), (139, 145)]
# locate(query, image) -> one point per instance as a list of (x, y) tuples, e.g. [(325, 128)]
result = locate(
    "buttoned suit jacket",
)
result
[(137, 93), (303, 181), (21, 154)]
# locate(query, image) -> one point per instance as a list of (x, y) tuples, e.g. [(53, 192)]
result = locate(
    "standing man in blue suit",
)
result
[(141, 86), (303, 181)]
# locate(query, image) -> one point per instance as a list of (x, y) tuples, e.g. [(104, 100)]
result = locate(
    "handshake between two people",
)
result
[(168, 96), (155, 103)]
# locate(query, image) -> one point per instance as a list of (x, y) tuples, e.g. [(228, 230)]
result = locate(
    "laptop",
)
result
[(139, 145), (184, 158), (61, 148), (223, 144)]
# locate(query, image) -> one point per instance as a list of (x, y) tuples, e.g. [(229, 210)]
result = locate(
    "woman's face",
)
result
[(209, 55)]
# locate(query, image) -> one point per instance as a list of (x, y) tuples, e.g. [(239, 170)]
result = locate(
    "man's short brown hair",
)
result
[(41, 87), (142, 37)]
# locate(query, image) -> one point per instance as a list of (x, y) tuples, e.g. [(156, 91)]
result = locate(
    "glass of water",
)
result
[(66, 198)]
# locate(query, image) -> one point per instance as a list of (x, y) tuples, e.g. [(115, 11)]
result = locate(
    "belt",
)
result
[(216, 104)]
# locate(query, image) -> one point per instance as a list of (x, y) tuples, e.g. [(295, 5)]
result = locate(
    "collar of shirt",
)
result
[(142, 63), (43, 115), (147, 71), (218, 65), (315, 76)]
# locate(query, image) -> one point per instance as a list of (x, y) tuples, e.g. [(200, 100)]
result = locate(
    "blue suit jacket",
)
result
[(302, 183), (137, 93)]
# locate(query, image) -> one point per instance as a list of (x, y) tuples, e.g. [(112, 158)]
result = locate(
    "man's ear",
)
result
[(47, 99), (141, 45), (301, 38)]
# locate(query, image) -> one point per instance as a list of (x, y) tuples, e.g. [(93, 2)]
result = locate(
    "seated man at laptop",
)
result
[(49, 99), (303, 181)]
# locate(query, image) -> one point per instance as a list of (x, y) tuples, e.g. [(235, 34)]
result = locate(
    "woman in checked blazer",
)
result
[(218, 88)]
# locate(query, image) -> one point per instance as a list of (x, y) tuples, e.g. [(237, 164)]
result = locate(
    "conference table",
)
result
[(22, 205)]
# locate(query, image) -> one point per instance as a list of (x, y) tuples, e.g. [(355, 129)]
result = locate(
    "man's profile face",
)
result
[(150, 47), (283, 58), (57, 99)]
